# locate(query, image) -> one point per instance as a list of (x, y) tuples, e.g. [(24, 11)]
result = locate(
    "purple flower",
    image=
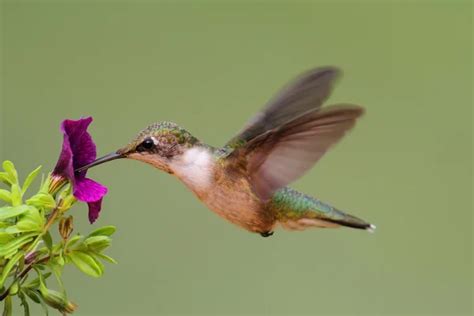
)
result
[(79, 150)]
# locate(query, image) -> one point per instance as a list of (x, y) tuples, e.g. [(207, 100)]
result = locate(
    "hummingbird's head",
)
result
[(158, 145)]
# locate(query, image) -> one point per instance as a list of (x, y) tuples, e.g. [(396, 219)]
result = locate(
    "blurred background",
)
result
[(209, 66)]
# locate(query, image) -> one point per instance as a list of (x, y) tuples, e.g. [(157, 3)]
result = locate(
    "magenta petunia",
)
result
[(79, 150)]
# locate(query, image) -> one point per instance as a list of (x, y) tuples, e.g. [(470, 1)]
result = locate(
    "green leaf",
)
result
[(97, 243), (13, 230), (103, 231), (99, 264), (44, 188), (9, 167), (5, 178), (8, 306), (42, 200), (40, 266), (5, 237), (16, 195), (15, 244), (5, 195), (32, 294), (85, 263), (106, 258), (24, 303), (23, 227), (12, 211), (48, 241), (30, 221), (72, 241), (8, 267), (31, 177), (35, 283)]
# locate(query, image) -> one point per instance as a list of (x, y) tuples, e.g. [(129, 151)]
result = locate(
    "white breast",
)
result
[(194, 167)]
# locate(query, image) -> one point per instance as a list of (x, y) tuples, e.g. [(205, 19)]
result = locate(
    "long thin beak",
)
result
[(101, 160)]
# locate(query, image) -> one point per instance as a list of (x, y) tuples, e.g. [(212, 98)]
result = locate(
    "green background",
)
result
[(209, 66)]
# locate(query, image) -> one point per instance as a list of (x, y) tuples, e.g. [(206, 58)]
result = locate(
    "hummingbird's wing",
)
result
[(304, 94), (295, 134)]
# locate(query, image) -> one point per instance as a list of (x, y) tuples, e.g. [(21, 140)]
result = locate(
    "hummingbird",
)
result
[(245, 181)]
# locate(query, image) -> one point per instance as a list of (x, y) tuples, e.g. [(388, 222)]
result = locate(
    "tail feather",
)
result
[(350, 221), (298, 211)]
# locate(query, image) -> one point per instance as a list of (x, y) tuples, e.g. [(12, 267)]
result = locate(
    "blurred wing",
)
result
[(303, 95), (280, 156)]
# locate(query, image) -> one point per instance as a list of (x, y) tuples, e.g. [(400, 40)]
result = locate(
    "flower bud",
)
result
[(56, 182), (65, 227), (30, 257), (57, 300)]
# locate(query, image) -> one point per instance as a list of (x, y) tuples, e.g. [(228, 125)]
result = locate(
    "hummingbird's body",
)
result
[(226, 189), (245, 181)]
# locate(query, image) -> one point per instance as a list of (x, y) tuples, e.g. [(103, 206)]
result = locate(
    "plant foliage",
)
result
[(28, 253)]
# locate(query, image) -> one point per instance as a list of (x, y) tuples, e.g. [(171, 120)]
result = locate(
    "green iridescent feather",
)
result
[(289, 204)]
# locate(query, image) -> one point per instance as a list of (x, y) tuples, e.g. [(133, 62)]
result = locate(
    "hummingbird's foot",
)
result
[(266, 234)]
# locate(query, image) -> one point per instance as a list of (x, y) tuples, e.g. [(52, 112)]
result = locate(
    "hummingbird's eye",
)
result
[(147, 144)]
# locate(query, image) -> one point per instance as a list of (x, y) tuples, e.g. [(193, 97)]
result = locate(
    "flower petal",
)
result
[(78, 148), (82, 146), (64, 166), (94, 210), (87, 190)]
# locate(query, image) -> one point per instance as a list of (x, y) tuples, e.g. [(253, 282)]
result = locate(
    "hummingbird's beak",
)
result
[(101, 160)]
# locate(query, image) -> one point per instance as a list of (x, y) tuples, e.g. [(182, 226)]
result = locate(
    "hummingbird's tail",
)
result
[(298, 211)]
